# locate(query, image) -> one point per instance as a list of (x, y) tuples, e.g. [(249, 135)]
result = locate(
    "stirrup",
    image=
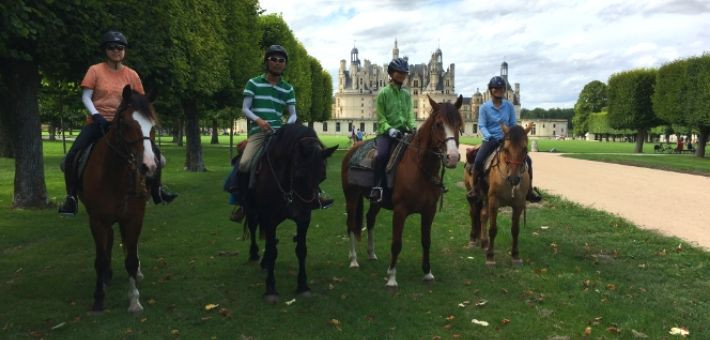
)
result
[(376, 194), (70, 207)]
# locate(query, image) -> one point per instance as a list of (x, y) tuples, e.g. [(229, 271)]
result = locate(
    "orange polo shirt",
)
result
[(108, 86)]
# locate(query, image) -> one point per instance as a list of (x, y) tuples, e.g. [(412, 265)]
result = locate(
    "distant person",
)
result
[(102, 90), (679, 145), (358, 135), (492, 113)]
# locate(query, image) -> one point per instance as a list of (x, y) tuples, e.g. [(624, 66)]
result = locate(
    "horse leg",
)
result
[(398, 219), (474, 212), (493, 216), (353, 209), (371, 215), (252, 224), (483, 226), (101, 262), (270, 254), (515, 230), (109, 246), (131, 231), (301, 253), (427, 219)]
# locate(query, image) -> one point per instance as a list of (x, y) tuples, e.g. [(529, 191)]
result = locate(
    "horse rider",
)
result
[(394, 116), (493, 112), (102, 94), (265, 97)]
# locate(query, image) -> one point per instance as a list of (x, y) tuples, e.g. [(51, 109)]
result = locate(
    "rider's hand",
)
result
[(99, 119), (394, 133), (264, 125)]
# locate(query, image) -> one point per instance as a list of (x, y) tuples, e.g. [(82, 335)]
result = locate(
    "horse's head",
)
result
[(133, 125), (515, 149), (445, 125)]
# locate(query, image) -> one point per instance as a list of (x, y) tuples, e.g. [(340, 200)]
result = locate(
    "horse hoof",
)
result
[(305, 294), (354, 264), (372, 257), (97, 309), (471, 244), (271, 298), (517, 263), (428, 278), (490, 264), (254, 259), (136, 308)]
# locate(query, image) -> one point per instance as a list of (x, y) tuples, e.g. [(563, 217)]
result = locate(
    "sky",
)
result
[(553, 48)]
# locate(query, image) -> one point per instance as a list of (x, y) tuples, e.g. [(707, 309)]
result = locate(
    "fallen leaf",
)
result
[(290, 302), (588, 331), (448, 326), (330, 286), (450, 318), (587, 283), (225, 312), (544, 227), (679, 248), (638, 334), (481, 303), (175, 332), (613, 329), (679, 331), (504, 322), (595, 321), (335, 323), (479, 322), (151, 301), (211, 306), (467, 282), (611, 286), (59, 325)]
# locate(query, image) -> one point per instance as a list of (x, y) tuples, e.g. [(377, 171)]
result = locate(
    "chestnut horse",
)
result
[(114, 190), (286, 186), (508, 182), (417, 188)]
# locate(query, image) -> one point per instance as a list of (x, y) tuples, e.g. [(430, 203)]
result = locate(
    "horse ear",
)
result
[(127, 92), (151, 95), (459, 102), (529, 127), (328, 152), (504, 128), (434, 105)]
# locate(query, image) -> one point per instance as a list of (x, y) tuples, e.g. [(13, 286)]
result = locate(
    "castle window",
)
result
[(362, 127), (416, 92), (337, 126), (416, 83), (374, 126), (447, 83), (325, 126), (532, 132), (350, 126)]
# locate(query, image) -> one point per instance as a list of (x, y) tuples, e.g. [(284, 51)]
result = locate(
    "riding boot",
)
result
[(475, 195), (377, 191), (157, 191), (533, 194), (70, 206), (323, 201), (242, 188)]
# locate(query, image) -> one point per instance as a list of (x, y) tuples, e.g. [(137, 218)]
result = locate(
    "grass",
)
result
[(585, 269), (679, 163)]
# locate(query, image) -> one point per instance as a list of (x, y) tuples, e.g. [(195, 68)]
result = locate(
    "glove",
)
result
[(394, 133), (99, 119)]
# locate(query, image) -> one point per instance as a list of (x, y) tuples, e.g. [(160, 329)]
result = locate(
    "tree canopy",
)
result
[(592, 98), (630, 102)]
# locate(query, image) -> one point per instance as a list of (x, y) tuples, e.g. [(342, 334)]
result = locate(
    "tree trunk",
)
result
[(25, 131), (179, 129), (52, 131), (215, 132), (193, 156), (702, 141), (640, 137)]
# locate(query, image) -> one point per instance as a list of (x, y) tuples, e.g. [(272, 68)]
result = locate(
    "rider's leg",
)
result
[(383, 148), (88, 134), (532, 195), (157, 191), (478, 172)]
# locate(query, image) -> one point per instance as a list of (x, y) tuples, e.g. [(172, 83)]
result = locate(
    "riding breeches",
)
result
[(485, 150), (383, 144), (254, 144)]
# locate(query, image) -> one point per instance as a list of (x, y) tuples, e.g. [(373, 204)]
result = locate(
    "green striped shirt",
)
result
[(269, 101)]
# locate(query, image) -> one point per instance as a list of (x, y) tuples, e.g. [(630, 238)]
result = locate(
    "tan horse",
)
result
[(417, 186), (508, 182)]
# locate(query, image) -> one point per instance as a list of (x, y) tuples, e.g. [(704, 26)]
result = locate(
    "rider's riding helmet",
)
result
[(275, 49), (113, 37), (398, 64), (496, 82)]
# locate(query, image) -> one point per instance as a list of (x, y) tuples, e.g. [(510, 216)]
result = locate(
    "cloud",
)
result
[(553, 47)]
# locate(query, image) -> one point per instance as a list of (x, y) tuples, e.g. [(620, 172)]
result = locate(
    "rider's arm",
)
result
[(88, 103), (246, 108), (291, 114), (382, 124), (483, 122), (411, 124)]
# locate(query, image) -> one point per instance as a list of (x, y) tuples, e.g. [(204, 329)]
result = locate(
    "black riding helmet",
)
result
[(496, 82), (113, 37), (398, 64), (276, 49)]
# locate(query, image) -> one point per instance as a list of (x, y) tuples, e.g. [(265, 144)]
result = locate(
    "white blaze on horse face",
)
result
[(452, 151), (148, 155)]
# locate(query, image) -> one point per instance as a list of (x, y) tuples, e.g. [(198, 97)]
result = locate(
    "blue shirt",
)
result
[(490, 117)]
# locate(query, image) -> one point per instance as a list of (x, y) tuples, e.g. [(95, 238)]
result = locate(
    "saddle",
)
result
[(471, 157), (78, 165), (361, 166)]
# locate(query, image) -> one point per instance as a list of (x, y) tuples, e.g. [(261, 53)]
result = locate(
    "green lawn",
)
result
[(680, 163), (583, 268)]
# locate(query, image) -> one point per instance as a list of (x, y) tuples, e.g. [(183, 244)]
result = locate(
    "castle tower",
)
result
[(395, 50), (504, 72)]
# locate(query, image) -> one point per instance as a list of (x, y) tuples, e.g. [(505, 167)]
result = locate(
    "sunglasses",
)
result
[(115, 47), (277, 60)]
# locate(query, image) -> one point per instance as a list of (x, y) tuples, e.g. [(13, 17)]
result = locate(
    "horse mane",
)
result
[(287, 138), (139, 103), (449, 114)]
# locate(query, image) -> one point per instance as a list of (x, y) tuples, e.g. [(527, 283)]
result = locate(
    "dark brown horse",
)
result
[(114, 190), (417, 188), (508, 183), (286, 186)]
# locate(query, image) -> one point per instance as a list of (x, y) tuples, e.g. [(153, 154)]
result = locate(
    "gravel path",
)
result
[(671, 203)]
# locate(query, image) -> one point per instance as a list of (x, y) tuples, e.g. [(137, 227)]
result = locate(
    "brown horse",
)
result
[(114, 190), (508, 182), (417, 188)]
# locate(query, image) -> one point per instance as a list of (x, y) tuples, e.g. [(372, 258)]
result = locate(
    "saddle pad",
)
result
[(364, 156), (397, 153)]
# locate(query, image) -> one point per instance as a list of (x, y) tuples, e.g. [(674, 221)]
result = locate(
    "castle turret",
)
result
[(395, 50)]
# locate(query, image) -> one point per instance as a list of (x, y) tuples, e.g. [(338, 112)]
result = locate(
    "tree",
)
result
[(630, 104), (327, 96), (39, 36), (317, 108), (699, 99), (592, 98)]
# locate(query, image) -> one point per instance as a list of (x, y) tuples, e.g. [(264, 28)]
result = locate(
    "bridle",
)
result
[(289, 195)]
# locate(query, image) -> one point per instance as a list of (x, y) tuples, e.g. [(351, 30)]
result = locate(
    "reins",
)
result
[(288, 195)]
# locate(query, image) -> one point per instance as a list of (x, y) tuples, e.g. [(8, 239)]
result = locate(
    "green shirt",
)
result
[(394, 109), (269, 101)]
